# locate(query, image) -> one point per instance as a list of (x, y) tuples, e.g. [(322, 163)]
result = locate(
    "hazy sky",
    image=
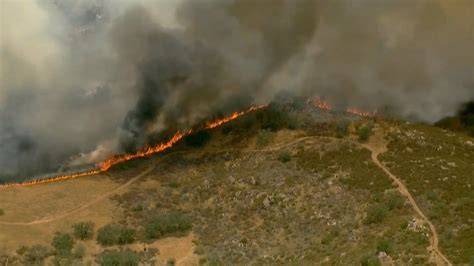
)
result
[(103, 75)]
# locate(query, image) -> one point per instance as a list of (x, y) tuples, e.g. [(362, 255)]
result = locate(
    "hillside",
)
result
[(289, 184)]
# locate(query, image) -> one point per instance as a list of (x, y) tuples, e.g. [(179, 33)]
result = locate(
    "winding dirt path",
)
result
[(378, 146), (84, 206)]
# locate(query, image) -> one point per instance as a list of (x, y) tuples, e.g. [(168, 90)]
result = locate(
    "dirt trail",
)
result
[(82, 207), (378, 145)]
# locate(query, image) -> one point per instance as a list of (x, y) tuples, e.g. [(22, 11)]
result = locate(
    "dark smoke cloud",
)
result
[(102, 76)]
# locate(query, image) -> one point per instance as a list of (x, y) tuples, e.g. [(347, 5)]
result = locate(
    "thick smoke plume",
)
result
[(104, 75)]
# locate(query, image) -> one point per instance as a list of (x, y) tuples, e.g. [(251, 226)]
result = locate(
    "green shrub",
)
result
[(284, 156), (36, 254), (22, 250), (83, 230), (173, 184), (165, 224), (376, 214), (272, 118), (364, 133), (292, 122), (113, 234), (171, 262), (370, 260), (198, 139), (62, 243), (126, 236), (342, 128), (264, 137), (395, 201), (62, 261), (118, 258), (384, 246)]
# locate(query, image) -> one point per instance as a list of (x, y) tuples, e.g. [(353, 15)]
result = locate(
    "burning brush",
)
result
[(108, 163), (323, 105)]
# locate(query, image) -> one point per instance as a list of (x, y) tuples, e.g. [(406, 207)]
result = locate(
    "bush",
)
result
[(342, 128), (62, 243), (198, 139), (272, 118), (118, 258), (370, 260), (2, 212), (376, 214), (83, 230), (292, 122), (395, 202), (171, 262), (384, 246), (112, 234), (36, 254), (284, 156), (364, 133), (165, 224), (264, 138)]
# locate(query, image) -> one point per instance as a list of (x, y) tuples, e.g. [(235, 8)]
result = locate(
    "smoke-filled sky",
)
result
[(95, 77)]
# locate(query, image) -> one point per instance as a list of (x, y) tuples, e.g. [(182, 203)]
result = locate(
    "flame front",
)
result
[(108, 163), (358, 112), (105, 165), (319, 103), (323, 105)]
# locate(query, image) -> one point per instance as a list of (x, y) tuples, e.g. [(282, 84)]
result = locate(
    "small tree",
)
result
[(114, 257), (36, 254), (342, 128), (112, 234), (2, 212), (171, 262), (376, 214), (83, 230), (284, 156), (395, 201), (163, 224), (126, 236), (62, 243), (370, 260), (364, 133), (264, 137), (384, 246)]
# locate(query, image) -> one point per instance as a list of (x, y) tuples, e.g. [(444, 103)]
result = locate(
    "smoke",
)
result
[(104, 75)]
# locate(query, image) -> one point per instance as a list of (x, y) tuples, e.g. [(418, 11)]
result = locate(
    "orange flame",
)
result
[(319, 103), (323, 105), (358, 112), (105, 165)]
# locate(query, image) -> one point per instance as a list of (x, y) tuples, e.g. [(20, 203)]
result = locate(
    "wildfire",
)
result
[(323, 105), (319, 103), (50, 179), (105, 165), (358, 112)]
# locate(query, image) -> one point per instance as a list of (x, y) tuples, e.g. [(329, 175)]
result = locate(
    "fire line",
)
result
[(116, 159), (323, 105)]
